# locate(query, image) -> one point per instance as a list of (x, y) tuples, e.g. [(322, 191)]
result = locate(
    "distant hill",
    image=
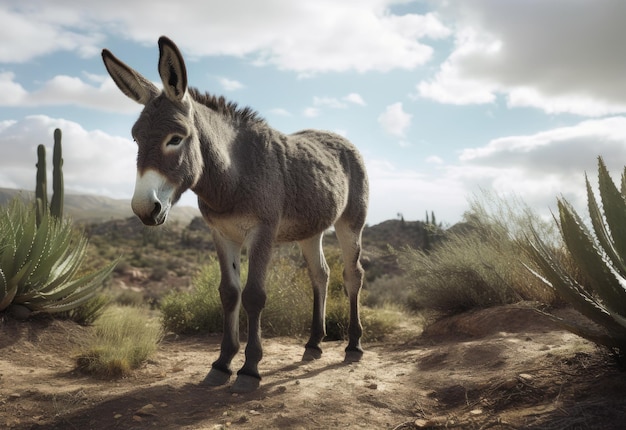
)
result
[(86, 208), (395, 233)]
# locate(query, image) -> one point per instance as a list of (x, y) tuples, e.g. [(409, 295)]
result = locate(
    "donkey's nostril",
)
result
[(156, 211)]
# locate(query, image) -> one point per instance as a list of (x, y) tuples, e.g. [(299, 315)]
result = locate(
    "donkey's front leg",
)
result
[(253, 298), (229, 254)]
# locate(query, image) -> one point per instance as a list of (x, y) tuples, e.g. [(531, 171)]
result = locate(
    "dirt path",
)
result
[(499, 368)]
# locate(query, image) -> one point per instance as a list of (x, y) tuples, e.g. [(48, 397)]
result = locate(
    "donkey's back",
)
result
[(305, 182), (325, 181)]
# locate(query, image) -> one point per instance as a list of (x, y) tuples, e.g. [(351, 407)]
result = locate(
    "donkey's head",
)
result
[(169, 160)]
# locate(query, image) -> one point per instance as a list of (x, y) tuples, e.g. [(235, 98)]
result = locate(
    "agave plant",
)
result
[(39, 264), (600, 256)]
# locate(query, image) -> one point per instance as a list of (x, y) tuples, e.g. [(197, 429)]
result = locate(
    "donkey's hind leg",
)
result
[(350, 242), (319, 273)]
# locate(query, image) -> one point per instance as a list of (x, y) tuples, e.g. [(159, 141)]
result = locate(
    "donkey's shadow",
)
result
[(187, 405)]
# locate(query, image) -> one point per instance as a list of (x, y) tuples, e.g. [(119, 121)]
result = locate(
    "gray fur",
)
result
[(255, 187)]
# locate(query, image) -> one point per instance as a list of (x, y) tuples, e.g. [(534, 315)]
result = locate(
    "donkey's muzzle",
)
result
[(152, 199), (156, 217)]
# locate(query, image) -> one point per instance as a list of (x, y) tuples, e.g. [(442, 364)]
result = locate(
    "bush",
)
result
[(289, 304), (90, 311), (388, 290), (480, 265), (198, 310), (123, 339)]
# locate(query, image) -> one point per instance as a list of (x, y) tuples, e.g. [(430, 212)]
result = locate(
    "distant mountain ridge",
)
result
[(86, 208)]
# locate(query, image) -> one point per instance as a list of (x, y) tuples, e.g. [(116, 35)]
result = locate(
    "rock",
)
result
[(19, 312), (147, 410)]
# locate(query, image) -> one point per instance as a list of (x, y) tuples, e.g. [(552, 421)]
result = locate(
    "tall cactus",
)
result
[(56, 205), (41, 187)]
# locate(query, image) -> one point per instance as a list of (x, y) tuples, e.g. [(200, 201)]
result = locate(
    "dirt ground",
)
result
[(501, 368)]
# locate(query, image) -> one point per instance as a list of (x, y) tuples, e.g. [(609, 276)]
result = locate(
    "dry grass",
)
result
[(481, 266), (288, 308), (123, 338)]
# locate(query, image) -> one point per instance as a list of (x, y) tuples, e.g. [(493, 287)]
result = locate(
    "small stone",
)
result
[(420, 423), (19, 312), (147, 410), (526, 376), (117, 416), (372, 386), (476, 411)]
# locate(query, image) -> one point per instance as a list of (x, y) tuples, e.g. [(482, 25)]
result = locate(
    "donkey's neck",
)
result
[(219, 179)]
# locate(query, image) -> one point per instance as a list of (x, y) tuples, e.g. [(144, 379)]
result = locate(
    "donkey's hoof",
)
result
[(353, 356), (311, 354), (245, 384), (215, 378)]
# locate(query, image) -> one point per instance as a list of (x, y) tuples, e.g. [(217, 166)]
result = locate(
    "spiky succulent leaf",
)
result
[(614, 207), (555, 277), (602, 232), (82, 290), (610, 339), (590, 259), (39, 262)]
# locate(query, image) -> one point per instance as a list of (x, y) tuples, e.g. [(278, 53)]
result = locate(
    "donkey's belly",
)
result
[(239, 229), (293, 231)]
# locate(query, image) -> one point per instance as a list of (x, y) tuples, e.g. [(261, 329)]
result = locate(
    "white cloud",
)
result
[(311, 112), (333, 103), (434, 159), (306, 37), (560, 57), (67, 90), (280, 112), (355, 98), (542, 166), (230, 84), (330, 102), (93, 161), (395, 120), (410, 193), (28, 32)]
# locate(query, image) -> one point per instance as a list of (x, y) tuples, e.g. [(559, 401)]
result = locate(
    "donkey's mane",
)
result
[(226, 108)]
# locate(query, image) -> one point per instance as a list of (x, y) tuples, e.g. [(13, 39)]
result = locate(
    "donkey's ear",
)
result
[(172, 69), (128, 80)]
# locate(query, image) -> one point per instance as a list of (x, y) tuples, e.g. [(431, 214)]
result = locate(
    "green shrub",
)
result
[(289, 304), (123, 339), (90, 311), (198, 310), (600, 293), (388, 290), (479, 265), (40, 264)]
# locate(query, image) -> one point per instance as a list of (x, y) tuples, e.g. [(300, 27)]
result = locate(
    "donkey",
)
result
[(256, 187)]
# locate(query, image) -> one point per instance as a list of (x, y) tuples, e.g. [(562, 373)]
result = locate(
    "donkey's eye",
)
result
[(174, 141)]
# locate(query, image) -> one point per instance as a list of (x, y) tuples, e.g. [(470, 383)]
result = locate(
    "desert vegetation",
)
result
[(501, 253), (133, 287)]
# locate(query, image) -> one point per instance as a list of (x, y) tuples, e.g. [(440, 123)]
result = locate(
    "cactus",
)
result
[(601, 256), (41, 188), (56, 205)]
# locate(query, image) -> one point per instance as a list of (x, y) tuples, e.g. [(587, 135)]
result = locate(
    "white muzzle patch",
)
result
[(152, 199)]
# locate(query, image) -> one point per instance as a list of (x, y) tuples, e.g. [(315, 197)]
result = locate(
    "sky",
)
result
[(445, 99)]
